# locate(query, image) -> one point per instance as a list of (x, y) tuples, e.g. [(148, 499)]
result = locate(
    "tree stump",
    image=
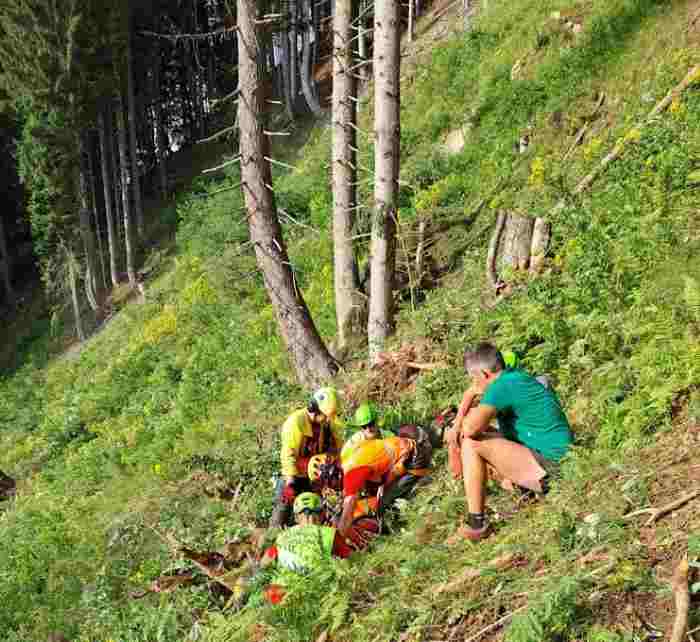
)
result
[(518, 244)]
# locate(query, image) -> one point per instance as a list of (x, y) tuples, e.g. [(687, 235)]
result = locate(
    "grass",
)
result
[(122, 445)]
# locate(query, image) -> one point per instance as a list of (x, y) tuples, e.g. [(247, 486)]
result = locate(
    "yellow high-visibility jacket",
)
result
[(301, 440)]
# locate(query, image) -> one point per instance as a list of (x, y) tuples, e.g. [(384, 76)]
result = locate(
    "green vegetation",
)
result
[(117, 448)]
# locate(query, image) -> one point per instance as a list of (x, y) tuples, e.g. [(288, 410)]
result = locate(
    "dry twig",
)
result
[(657, 513), (495, 625)]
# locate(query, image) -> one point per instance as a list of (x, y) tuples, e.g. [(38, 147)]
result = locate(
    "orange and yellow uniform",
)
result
[(379, 461), (301, 440)]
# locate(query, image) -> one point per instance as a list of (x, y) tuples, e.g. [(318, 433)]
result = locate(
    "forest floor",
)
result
[(161, 435)]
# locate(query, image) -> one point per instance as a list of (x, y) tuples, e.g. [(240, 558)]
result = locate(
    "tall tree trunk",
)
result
[(306, 65), (5, 265), (95, 210), (73, 273), (293, 50), (133, 144), (362, 40), (348, 302), (312, 361), (285, 54), (105, 131), (126, 205), (386, 187), (161, 145), (86, 230), (411, 19)]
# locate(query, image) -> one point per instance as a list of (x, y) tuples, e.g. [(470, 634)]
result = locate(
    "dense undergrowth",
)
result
[(114, 449)]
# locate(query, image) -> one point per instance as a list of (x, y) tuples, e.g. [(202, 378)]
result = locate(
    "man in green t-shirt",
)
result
[(534, 432)]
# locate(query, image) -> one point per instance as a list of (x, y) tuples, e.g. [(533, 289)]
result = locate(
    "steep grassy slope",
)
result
[(133, 448)]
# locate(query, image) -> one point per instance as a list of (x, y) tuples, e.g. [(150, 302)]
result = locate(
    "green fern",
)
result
[(691, 295), (549, 617)]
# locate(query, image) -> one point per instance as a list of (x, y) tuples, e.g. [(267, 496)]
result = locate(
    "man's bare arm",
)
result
[(477, 420)]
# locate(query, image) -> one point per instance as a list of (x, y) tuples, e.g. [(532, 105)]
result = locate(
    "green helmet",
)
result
[(510, 359), (310, 502), (365, 415)]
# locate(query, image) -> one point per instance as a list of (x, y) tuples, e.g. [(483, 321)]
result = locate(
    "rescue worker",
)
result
[(306, 432), (367, 420), (308, 545), (386, 468)]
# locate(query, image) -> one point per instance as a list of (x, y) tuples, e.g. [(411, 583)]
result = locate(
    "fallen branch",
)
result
[(493, 250), (495, 625), (692, 76), (426, 366), (681, 595), (657, 513)]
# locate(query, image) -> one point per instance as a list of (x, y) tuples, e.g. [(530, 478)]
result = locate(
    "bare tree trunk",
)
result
[(285, 53), (386, 187), (133, 144), (362, 40), (293, 51), (312, 361), (411, 19), (348, 303), (73, 283), (86, 231), (5, 265), (161, 145), (105, 131), (126, 206), (306, 64), (93, 198)]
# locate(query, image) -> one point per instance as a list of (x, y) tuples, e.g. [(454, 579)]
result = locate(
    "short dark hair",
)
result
[(485, 356)]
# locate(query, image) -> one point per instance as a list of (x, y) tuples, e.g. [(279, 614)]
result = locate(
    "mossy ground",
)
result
[(115, 449)]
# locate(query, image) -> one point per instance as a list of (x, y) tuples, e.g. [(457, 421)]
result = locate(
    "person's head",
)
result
[(324, 470), (323, 405), (484, 364), (366, 418), (307, 509)]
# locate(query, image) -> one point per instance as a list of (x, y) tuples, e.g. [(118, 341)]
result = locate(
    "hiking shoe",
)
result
[(471, 534)]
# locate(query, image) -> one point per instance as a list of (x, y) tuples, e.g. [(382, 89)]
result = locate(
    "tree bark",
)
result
[(73, 283), (541, 234), (5, 264), (411, 19), (386, 187), (93, 197), (86, 231), (285, 53), (310, 357), (348, 303), (362, 40), (306, 64), (105, 132), (161, 145), (293, 51), (133, 144), (126, 206)]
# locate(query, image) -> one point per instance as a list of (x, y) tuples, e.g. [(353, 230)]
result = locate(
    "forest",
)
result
[(214, 209)]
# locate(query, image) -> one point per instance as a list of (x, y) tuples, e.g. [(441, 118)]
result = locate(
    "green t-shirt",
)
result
[(529, 413)]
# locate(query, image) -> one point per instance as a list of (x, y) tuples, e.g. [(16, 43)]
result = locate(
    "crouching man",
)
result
[(534, 432)]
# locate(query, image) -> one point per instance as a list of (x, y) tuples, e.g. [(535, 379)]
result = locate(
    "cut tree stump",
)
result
[(519, 244)]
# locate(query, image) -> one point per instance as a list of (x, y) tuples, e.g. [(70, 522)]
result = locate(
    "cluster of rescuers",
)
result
[(336, 491)]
